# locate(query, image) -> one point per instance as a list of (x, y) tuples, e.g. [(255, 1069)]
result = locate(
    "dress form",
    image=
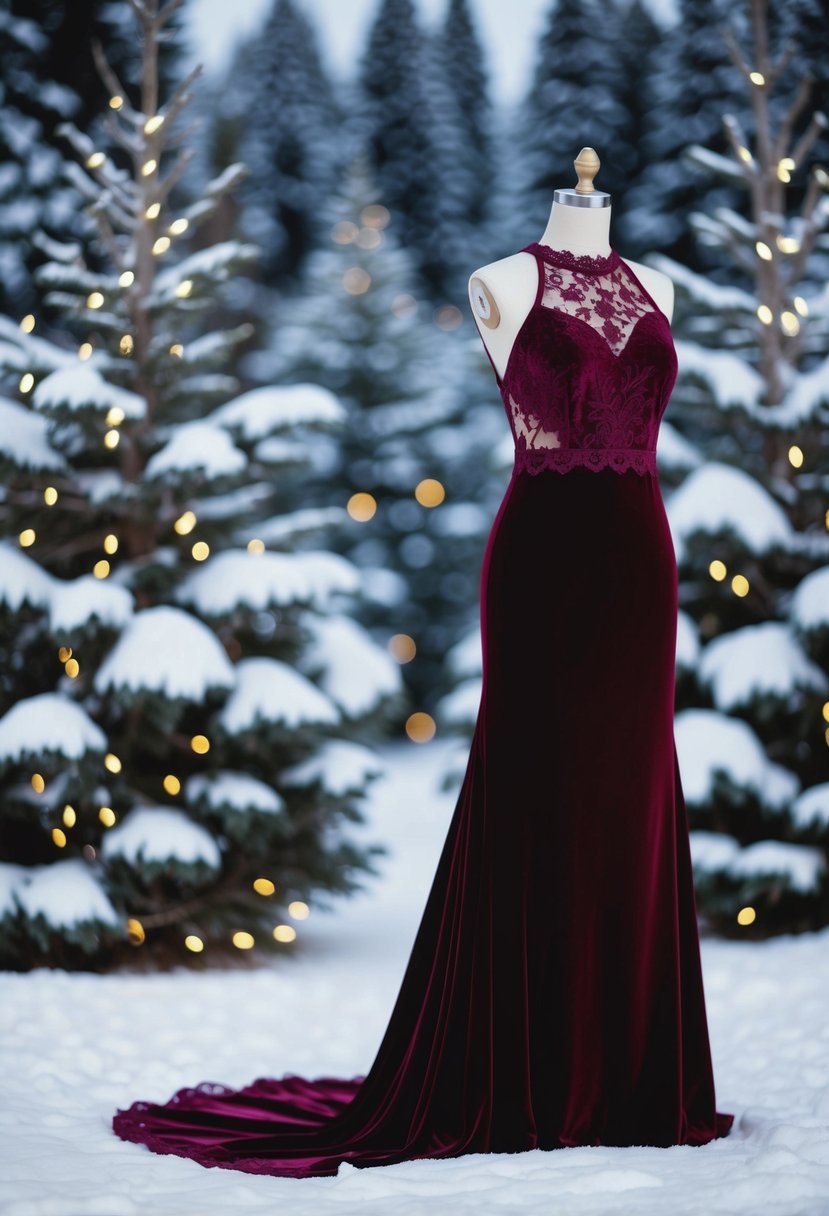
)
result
[(501, 293)]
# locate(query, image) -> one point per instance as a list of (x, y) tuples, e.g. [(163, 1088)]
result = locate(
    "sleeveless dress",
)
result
[(553, 996)]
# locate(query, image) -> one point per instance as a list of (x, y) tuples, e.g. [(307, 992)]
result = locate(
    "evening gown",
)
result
[(553, 995)]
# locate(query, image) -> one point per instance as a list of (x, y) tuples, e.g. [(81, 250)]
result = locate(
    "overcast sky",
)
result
[(509, 30)]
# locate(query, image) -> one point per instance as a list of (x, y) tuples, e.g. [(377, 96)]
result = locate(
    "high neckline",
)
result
[(585, 263)]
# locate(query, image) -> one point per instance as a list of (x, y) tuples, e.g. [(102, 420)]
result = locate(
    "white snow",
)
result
[(64, 892), (713, 851), (811, 808), (460, 706), (339, 765), (687, 641), (261, 411), (76, 601), (48, 722), (197, 446), (166, 650), (24, 438), (809, 391), (280, 529), (718, 497), (356, 673), (465, 657), (77, 1046), (270, 690), (239, 791), (810, 601), (758, 660), (81, 387), (801, 864), (707, 741), (731, 380), (238, 578), (22, 580), (674, 451), (156, 833)]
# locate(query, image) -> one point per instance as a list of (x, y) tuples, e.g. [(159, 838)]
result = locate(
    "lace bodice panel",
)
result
[(591, 369)]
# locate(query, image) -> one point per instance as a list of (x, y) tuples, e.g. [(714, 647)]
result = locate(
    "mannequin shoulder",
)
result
[(656, 283), (506, 279)]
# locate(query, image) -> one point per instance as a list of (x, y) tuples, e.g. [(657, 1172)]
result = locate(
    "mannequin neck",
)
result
[(578, 229)]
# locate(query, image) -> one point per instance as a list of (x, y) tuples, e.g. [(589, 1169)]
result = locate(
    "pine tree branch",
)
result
[(784, 133), (164, 187), (110, 79), (818, 123), (181, 96), (166, 13)]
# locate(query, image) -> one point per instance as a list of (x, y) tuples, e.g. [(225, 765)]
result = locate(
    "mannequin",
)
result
[(580, 223)]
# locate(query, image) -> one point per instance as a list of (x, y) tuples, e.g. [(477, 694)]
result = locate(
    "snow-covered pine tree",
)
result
[(187, 702), (573, 101), (408, 462), (750, 521)]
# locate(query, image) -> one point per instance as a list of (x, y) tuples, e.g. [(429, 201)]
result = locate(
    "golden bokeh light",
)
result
[(420, 727), (746, 916), (284, 933), (135, 932), (361, 506), (739, 585), (242, 940), (429, 492), (194, 943), (402, 647), (171, 784), (263, 886), (200, 550), (106, 816), (298, 909), (50, 496), (200, 744)]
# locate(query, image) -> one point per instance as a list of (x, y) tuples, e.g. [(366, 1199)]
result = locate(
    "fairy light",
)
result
[(126, 345), (112, 763), (27, 382), (50, 496), (179, 226), (788, 244), (94, 300), (801, 306), (38, 784), (356, 280), (135, 932), (746, 916), (243, 940), (85, 351), (107, 816), (739, 585), (789, 323), (263, 886), (153, 211), (284, 933), (153, 124), (64, 653), (200, 744), (161, 245), (298, 909), (184, 288), (27, 323), (200, 550), (126, 278), (763, 251), (361, 506), (185, 523), (101, 568), (111, 439), (177, 350), (59, 837), (757, 78), (26, 537), (116, 102), (72, 668), (429, 492), (402, 647), (764, 314), (255, 545), (115, 415), (717, 570), (344, 232), (420, 727), (375, 215), (95, 160), (783, 174), (171, 784), (744, 153), (194, 943), (795, 455), (69, 817), (110, 543)]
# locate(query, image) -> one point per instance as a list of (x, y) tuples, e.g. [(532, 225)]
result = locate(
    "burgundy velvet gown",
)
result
[(553, 996)]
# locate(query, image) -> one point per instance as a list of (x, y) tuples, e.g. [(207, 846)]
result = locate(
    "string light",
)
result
[(717, 570), (171, 784), (27, 382), (127, 344), (789, 323), (200, 550), (101, 568), (200, 744), (64, 653), (795, 455), (744, 153), (152, 124), (429, 492), (135, 932), (115, 102), (788, 244), (242, 940), (284, 933), (126, 278), (84, 351), (149, 167), (69, 817), (115, 415), (757, 78), (375, 215), (344, 232), (402, 647), (110, 543), (763, 251), (184, 288), (255, 545), (746, 916), (106, 816), (27, 324), (739, 585), (801, 306), (361, 506), (111, 439), (177, 350), (59, 837), (72, 668), (50, 496), (112, 763), (185, 523), (194, 943), (95, 160), (94, 300), (263, 886), (783, 174), (298, 909), (356, 280), (764, 314), (420, 727), (38, 784), (26, 537), (161, 245), (153, 211), (179, 226)]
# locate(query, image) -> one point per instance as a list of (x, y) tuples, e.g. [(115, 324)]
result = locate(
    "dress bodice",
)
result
[(591, 369)]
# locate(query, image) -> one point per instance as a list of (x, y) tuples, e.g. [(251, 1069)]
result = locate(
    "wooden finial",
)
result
[(587, 165)]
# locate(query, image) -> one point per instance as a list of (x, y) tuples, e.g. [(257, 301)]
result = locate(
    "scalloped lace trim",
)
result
[(561, 460)]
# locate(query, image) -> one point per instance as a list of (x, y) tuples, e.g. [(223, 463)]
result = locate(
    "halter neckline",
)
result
[(585, 263)]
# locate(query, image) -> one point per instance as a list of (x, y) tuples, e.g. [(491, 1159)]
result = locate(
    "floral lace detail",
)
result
[(606, 302), (562, 460), (585, 263)]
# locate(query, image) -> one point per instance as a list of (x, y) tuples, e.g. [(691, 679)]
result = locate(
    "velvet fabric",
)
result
[(553, 995)]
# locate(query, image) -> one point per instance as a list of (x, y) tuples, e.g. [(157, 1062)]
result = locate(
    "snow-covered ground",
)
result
[(75, 1047)]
